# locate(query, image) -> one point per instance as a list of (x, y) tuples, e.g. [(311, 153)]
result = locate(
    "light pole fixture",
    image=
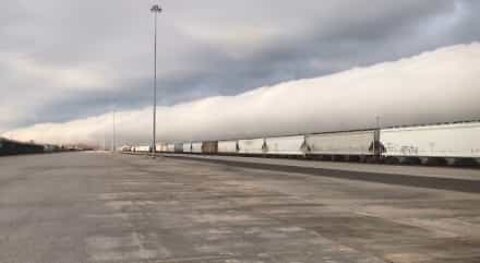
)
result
[(155, 10)]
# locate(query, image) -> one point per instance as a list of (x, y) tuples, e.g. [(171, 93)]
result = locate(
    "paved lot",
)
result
[(90, 207), (462, 180), (424, 171)]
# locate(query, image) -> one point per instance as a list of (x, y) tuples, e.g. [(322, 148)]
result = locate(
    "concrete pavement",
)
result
[(91, 207), (454, 179)]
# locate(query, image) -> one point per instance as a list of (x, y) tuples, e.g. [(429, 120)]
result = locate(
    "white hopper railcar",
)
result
[(197, 147), (253, 146), (289, 145), (447, 141), (227, 147), (450, 143), (187, 147), (353, 144)]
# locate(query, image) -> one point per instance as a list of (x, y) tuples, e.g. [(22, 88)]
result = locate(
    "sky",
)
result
[(64, 61)]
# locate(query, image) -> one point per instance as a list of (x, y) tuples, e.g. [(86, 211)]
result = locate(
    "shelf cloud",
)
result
[(436, 86)]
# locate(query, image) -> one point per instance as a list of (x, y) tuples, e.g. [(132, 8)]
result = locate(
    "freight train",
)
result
[(9, 147), (438, 144)]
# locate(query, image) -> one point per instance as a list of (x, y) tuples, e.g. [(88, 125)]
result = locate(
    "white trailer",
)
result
[(163, 147), (289, 145), (254, 146), (170, 148), (143, 148), (459, 140), (124, 148), (227, 147), (357, 143), (197, 147)]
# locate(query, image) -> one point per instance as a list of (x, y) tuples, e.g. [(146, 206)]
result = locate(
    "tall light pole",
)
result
[(114, 133), (155, 10)]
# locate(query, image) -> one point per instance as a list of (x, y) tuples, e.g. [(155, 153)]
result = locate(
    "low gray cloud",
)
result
[(438, 86), (62, 60)]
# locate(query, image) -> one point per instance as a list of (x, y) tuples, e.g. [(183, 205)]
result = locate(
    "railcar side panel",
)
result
[(342, 143), (187, 147), (254, 146), (227, 147), (197, 147), (210, 147), (461, 140), (290, 145)]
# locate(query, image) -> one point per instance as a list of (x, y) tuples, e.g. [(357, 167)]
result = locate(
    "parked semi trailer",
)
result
[(142, 148)]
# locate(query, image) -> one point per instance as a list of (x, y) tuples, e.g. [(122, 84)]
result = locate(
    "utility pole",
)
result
[(105, 137), (376, 139), (155, 10)]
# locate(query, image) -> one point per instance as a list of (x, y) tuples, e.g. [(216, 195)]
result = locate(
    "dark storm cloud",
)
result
[(207, 48)]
